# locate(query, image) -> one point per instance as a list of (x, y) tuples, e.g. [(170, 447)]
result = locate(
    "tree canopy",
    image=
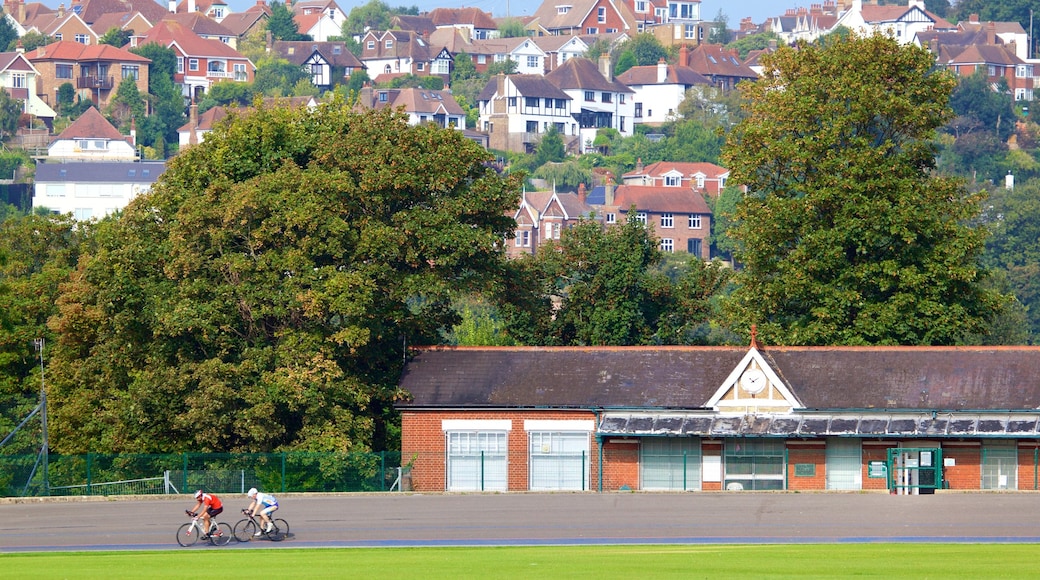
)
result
[(846, 235), (261, 297)]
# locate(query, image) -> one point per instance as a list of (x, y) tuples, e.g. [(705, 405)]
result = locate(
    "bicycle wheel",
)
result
[(223, 535), (187, 535), (244, 530), (282, 525)]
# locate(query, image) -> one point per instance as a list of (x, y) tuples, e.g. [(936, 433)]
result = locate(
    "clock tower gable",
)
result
[(753, 387)]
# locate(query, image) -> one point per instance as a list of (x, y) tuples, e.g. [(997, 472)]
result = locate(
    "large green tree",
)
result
[(262, 295), (281, 24), (846, 235)]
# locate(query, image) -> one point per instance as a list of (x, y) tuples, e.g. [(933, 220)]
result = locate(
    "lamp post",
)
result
[(38, 344)]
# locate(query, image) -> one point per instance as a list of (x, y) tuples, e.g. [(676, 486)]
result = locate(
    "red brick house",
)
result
[(899, 419)]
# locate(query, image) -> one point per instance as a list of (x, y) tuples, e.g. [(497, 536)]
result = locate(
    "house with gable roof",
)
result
[(94, 70), (516, 110), (479, 25), (806, 24), (543, 215), (20, 79), (62, 25), (204, 26), (319, 18), (122, 21), (702, 177), (660, 88), (91, 138), (421, 105), (201, 62), (719, 64), (93, 10), (390, 53), (242, 23), (214, 9), (598, 101), (328, 63), (92, 190), (901, 22), (529, 57), (560, 49), (886, 419), (585, 17)]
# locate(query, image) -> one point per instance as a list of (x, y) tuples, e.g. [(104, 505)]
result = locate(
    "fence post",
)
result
[(584, 458), (684, 470), (283, 472), (90, 457), (185, 486), (481, 470), (382, 470)]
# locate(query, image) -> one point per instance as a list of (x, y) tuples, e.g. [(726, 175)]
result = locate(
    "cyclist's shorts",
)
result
[(214, 512), (268, 509)]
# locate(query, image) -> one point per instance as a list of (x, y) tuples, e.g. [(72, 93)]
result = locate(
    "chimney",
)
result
[(639, 164), (605, 68), (684, 56), (366, 96), (269, 40), (991, 33), (172, 7), (21, 11), (61, 10), (582, 193), (608, 192), (662, 71), (133, 132), (973, 18), (20, 49)]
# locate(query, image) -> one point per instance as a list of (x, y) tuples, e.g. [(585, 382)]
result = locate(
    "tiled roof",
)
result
[(91, 125), (91, 10), (687, 168), (674, 75), (875, 14), (550, 17), (118, 20), (979, 54), (822, 378), (298, 51), (168, 32), (714, 60), (420, 24), (240, 23), (199, 23), (454, 16), (583, 74), (658, 199), (74, 51)]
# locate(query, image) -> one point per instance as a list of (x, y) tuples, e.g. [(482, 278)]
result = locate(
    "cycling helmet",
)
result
[(251, 492), (198, 494)]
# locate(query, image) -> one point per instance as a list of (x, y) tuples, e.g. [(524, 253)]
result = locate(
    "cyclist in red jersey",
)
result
[(213, 507)]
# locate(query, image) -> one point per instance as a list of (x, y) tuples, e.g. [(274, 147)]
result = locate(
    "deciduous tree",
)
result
[(262, 295), (846, 235)]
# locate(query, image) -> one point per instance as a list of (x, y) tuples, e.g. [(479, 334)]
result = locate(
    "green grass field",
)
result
[(917, 561)]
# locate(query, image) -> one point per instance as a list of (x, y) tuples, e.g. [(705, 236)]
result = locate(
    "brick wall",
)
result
[(815, 454), (967, 471), (620, 465)]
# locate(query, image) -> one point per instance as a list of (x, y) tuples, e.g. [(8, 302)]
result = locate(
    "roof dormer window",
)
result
[(563, 9)]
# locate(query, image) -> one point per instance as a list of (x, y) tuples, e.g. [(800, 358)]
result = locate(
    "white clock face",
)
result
[(753, 381)]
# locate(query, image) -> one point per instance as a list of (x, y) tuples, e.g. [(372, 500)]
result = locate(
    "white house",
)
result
[(92, 190), (515, 110), (660, 88), (91, 138)]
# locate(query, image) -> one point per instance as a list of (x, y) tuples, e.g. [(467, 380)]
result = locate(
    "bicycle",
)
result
[(246, 528), (190, 532)]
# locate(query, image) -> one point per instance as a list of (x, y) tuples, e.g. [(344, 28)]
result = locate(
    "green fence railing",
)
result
[(101, 474)]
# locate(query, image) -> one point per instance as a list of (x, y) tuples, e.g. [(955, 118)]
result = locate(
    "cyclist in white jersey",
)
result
[(263, 504)]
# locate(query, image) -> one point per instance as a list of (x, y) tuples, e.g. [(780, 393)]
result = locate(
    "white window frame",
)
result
[(694, 222), (667, 245), (667, 220)]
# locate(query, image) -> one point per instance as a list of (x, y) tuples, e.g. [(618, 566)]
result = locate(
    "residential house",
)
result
[(585, 17), (479, 25), (91, 138), (1006, 33), (93, 10), (62, 25), (391, 53), (888, 419), (241, 24), (543, 215), (515, 110), (201, 62), (217, 10), (901, 22), (806, 24), (318, 18), (648, 13), (598, 101), (560, 49), (679, 23), (20, 79), (94, 70), (92, 190), (203, 26), (660, 88), (720, 65), (999, 62), (422, 25), (328, 63), (530, 59), (703, 177), (678, 216), (421, 105), (132, 22), (198, 126)]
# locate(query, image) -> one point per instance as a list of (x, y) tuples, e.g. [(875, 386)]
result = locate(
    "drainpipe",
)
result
[(599, 448)]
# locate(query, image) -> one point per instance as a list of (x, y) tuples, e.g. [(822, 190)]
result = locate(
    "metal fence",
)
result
[(100, 474)]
